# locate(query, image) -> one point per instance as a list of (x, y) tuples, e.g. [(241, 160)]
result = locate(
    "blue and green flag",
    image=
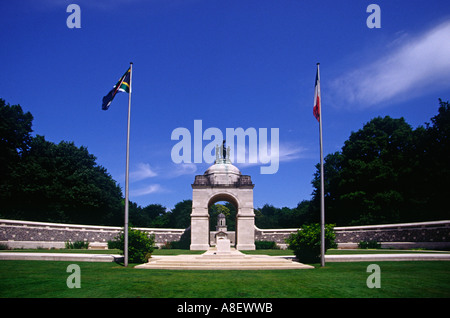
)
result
[(123, 85)]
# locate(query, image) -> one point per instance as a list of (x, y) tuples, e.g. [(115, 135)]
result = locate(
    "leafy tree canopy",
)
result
[(388, 172)]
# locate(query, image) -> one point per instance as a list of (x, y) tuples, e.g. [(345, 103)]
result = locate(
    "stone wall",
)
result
[(434, 234), (405, 235), (275, 235), (25, 234)]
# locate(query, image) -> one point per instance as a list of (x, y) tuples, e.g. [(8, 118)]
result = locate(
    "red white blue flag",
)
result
[(317, 106)]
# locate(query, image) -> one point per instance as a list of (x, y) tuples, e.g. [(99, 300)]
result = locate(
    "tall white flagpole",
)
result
[(322, 187), (125, 249)]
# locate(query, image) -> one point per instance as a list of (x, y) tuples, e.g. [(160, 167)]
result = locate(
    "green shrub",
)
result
[(77, 245), (140, 245), (166, 246), (306, 242), (266, 245), (369, 244), (183, 244), (3, 246), (114, 245)]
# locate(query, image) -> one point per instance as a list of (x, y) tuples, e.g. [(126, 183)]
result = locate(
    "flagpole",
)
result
[(322, 187), (125, 249)]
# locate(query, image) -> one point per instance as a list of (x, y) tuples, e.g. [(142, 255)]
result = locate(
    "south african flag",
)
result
[(123, 85)]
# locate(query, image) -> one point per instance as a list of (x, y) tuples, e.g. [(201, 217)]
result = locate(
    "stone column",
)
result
[(245, 231), (199, 230)]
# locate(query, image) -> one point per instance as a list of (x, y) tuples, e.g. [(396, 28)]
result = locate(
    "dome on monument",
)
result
[(222, 168), (222, 173)]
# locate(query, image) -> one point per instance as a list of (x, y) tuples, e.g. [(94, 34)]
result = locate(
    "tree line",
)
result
[(386, 172)]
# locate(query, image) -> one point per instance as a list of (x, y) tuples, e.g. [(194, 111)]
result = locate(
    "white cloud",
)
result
[(290, 152), (143, 172), (152, 188), (286, 152), (414, 67), (183, 169)]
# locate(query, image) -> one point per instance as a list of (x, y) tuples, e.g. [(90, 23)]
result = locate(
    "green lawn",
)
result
[(398, 279), (265, 252), (111, 251), (342, 252)]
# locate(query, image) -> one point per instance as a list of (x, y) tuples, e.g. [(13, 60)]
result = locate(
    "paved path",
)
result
[(209, 259), (71, 257), (388, 257)]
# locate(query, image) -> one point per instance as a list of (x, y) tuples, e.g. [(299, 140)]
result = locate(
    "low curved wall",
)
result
[(434, 234), (26, 234)]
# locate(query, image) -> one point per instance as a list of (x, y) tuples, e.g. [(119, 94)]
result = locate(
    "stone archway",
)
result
[(222, 182), (221, 227)]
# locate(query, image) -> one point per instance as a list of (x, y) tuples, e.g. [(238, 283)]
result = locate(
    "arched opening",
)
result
[(225, 208), (222, 211)]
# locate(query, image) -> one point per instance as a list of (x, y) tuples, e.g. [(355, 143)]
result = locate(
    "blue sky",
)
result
[(228, 63)]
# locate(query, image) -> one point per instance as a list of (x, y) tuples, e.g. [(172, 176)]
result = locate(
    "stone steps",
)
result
[(216, 261)]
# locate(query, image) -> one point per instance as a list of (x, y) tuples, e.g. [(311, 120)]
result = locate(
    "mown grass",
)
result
[(47, 279), (270, 252), (108, 251)]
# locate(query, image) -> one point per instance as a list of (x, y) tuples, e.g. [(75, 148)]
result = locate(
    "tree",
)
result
[(388, 172), (332, 171), (433, 171), (180, 216), (153, 215), (267, 218), (15, 130), (303, 214), (228, 210), (43, 181), (15, 139), (363, 182), (63, 183), (375, 160), (157, 214)]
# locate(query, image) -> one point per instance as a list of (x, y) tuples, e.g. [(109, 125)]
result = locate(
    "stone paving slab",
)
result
[(388, 257), (209, 260), (71, 257)]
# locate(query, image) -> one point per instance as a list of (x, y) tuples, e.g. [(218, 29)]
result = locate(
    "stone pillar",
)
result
[(199, 229), (245, 231)]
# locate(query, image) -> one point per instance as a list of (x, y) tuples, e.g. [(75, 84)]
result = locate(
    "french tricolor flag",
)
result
[(317, 107)]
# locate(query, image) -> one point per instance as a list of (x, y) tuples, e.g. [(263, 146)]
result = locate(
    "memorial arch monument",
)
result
[(222, 182)]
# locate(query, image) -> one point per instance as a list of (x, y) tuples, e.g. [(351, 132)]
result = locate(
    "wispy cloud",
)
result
[(286, 152), (152, 188), (416, 66), (143, 171), (290, 152), (182, 169)]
